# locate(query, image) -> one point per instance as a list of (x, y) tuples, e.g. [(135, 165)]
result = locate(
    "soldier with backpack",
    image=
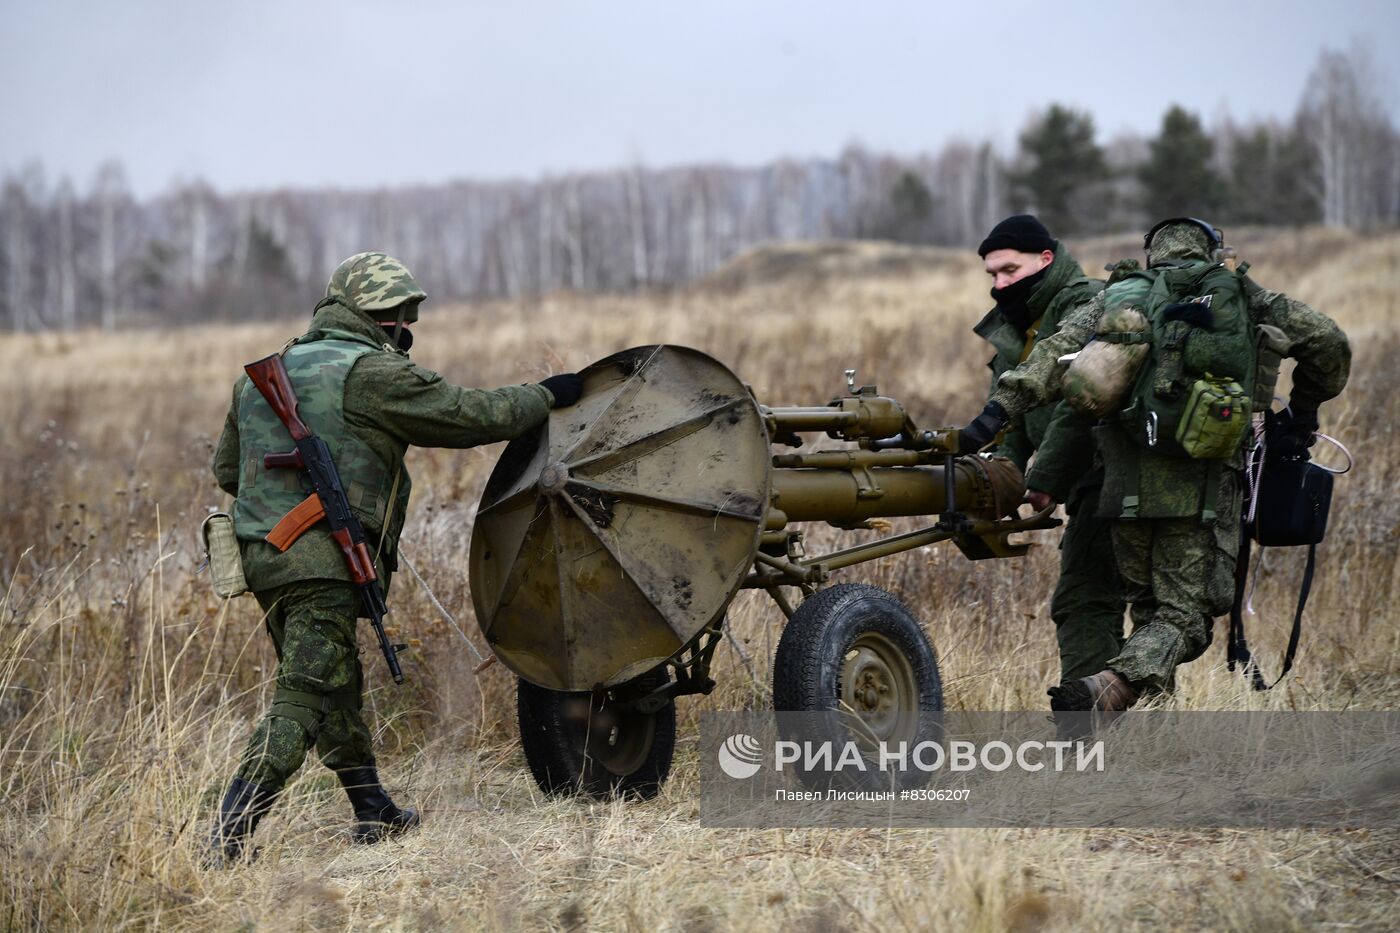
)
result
[(1171, 442)]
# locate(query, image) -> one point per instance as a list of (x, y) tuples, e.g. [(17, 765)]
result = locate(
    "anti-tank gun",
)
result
[(609, 543)]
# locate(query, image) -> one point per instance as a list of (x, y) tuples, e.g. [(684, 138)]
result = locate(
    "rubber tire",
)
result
[(557, 761), (807, 667)]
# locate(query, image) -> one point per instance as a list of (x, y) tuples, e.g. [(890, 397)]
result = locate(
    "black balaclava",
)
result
[(1025, 234), (405, 341), (1012, 301)]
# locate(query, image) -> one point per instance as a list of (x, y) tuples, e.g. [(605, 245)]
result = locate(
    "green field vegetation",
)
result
[(127, 688)]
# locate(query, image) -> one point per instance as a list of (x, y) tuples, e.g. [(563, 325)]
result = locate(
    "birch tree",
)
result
[(17, 255), (1352, 136), (113, 201), (66, 258)]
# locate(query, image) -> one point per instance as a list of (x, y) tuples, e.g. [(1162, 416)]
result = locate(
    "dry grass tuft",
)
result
[(127, 689)]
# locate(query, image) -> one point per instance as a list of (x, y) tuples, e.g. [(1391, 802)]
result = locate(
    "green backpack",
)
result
[(1192, 397)]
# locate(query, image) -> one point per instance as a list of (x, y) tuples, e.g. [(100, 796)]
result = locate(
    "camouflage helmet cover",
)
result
[(374, 282), (1181, 239)]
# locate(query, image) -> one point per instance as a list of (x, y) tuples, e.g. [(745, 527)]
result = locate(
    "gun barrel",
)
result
[(850, 459), (852, 418), (846, 496), (814, 418), (373, 599)]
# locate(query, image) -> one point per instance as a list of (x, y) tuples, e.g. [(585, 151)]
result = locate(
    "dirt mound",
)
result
[(815, 263), (828, 259)]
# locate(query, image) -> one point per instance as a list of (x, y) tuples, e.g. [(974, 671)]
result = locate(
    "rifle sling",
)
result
[(388, 511)]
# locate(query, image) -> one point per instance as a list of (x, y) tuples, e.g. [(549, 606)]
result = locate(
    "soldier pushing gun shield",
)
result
[(318, 528)]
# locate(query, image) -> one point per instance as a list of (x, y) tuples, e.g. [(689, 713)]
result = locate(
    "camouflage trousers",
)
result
[(1178, 574), (319, 681), (1088, 603)]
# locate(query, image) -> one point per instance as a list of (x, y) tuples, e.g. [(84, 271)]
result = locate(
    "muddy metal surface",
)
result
[(613, 536)]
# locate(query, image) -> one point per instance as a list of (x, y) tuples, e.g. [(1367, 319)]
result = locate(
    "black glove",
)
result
[(982, 429), (1192, 312), (1292, 432), (565, 387)]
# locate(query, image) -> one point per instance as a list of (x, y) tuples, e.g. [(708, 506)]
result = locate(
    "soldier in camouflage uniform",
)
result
[(1175, 520), (359, 391), (1037, 283)]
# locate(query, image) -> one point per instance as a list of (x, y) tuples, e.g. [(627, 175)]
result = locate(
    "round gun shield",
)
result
[(609, 538)]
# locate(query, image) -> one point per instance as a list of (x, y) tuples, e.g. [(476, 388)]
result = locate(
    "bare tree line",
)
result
[(1358, 161), (104, 258)]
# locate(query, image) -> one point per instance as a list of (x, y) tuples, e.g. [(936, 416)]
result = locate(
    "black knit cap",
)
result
[(1021, 232)]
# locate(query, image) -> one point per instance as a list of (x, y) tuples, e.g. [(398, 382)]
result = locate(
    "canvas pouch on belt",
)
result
[(225, 560)]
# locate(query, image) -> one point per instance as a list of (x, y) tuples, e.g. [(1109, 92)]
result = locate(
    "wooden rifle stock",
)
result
[(269, 374)]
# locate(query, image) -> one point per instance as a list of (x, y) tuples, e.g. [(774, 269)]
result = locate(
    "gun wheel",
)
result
[(857, 653), (587, 742)]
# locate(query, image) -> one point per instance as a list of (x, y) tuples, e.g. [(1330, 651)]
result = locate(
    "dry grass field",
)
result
[(127, 688)]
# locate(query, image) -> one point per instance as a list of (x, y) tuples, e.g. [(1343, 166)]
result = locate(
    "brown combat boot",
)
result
[(1104, 692)]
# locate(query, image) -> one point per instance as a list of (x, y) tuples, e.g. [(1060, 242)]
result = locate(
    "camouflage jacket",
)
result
[(1170, 487), (1319, 346), (1065, 464), (390, 404), (1065, 287), (377, 489)]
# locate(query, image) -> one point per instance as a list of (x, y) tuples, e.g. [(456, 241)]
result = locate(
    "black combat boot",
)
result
[(244, 806), (376, 815)]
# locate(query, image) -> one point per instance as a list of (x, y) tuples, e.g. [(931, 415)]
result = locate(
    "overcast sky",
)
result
[(307, 92)]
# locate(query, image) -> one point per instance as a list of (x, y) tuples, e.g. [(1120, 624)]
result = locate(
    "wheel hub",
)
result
[(879, 689), (615, 737)]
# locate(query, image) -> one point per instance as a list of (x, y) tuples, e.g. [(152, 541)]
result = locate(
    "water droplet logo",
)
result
[(740, 756)]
